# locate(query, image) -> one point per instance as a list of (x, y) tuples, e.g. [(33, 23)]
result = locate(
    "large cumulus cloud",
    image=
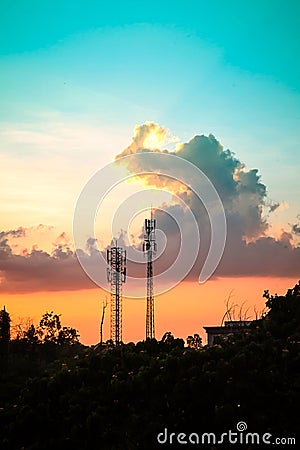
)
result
[(250, 249), (241, 191)]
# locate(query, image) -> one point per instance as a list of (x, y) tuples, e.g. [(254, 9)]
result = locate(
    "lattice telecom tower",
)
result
[(149, 247), (116, 275)]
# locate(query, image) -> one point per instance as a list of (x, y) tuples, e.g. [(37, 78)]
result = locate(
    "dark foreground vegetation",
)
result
[(57, 394)]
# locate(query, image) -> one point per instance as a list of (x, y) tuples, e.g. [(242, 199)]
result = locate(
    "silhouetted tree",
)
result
[(4, 336), (194, 341), (30, 335), (168, 341), (67, 335), (167, 338), (51, 330), (49, 327), (19, 327), (283, 316)]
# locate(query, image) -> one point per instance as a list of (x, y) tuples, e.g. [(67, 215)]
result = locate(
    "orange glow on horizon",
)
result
[(184, 310)]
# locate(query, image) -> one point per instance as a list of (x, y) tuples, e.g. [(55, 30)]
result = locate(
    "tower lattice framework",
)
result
[(116, 275), (149, 247)]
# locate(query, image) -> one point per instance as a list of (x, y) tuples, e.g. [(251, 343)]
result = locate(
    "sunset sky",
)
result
[(83, 82)]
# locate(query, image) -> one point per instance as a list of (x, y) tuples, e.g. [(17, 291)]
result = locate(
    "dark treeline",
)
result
[(58, 394)]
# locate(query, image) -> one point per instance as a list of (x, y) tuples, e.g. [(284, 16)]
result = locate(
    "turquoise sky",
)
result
[(76, 76)]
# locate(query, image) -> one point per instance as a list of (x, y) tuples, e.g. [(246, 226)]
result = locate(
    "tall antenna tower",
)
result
[(116, 275), (149, 247)]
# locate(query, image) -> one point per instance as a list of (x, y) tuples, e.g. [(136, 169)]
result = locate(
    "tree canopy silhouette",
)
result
[(283, 316), (71, 396)]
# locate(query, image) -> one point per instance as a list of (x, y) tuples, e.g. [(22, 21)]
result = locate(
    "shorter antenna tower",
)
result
[(116, 275), (149, 247)]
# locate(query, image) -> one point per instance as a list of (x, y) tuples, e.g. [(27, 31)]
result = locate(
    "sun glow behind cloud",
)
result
[(159, 138), (154, 141)]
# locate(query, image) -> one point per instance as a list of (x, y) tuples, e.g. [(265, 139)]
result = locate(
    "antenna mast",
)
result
[(104, 306), (116, 276), (149, 247)]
